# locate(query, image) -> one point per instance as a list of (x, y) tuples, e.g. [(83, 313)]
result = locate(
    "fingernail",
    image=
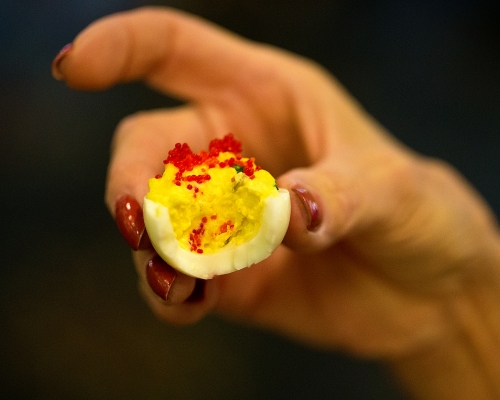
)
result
[(309, 206), (130, 221), (160, 276), (56, 64)]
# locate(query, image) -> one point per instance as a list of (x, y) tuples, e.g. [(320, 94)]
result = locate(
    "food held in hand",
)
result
[(214, 212)]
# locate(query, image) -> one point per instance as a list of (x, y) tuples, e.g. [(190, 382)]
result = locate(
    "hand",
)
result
[(380, 238)]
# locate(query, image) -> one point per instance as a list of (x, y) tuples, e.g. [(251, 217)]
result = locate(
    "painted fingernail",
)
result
[(56, 64), (310, 208), (160, 276), (130, 221)]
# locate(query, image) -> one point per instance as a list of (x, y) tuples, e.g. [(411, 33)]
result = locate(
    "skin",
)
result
[(403, 264)]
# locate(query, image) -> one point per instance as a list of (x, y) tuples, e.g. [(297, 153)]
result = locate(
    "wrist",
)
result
[(463, 362)]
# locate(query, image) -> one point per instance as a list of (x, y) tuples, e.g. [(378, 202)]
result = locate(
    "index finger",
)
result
[(174, 52)]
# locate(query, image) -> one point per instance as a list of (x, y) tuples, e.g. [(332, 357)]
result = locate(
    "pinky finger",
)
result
[(174, 297)]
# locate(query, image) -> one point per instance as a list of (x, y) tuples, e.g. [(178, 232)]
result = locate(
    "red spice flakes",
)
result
[(196, 178), (182, 157), (195, 237), (225, 226), (227, 143)]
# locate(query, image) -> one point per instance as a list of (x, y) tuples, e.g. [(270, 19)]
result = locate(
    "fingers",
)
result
[(267, 97), (174, 297), (175, 52), (141, 142), (324, 207)]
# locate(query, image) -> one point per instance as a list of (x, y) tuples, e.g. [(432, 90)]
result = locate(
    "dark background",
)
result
[(73, 324)]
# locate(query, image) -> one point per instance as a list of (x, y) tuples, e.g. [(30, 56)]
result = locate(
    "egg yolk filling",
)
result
[(216, 198)]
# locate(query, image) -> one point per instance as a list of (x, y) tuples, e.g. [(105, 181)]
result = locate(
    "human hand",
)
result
[(380, 238)]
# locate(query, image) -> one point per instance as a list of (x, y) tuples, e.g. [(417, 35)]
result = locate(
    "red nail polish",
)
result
[(130, 221), (160, 276), (310, 207), (56, 64)]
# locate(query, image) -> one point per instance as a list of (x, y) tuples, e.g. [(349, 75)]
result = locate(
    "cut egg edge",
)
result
[(275, 221)]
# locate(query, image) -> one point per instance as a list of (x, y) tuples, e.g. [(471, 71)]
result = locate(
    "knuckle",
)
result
[(128, 126)]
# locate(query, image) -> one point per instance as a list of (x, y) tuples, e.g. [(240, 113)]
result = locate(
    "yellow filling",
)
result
[(208, 214)]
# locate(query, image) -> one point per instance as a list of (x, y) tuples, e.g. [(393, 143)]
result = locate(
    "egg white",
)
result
[(275, 220)]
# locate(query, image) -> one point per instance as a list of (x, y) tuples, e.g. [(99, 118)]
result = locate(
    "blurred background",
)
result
[(72, 322)]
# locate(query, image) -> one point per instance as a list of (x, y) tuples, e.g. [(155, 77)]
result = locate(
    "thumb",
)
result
[(325, 206)]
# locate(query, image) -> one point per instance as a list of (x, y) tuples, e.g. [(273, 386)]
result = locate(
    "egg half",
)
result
[(214, 212)]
